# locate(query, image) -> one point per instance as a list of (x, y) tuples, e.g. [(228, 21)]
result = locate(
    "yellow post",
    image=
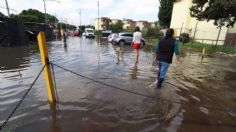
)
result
[(175, 33), (47, 70), (118, 55), (203, 51)]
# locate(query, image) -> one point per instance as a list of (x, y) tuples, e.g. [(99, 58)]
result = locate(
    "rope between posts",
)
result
[(140, 94), (22, 99)]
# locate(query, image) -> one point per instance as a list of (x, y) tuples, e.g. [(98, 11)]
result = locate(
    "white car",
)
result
[(111, 37), (89, 33)]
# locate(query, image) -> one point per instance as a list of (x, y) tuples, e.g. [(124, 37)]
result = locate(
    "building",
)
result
[(114, 21), (102, 23), (153, 24), (127, 23), (230, 39), (182, 22), (143, 24)]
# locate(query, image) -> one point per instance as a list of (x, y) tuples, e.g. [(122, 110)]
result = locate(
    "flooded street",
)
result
[(196, 96)]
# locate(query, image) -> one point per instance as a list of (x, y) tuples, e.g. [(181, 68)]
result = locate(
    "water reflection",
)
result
[(134, 71), (89, 106), (16, 57)]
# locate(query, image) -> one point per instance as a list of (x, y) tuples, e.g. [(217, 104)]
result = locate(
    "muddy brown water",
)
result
[(205, 91)]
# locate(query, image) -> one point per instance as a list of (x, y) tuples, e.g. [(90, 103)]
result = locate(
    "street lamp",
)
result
[(45, 15)]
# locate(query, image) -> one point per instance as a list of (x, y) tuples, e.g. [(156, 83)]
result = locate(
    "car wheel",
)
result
[(122, 42)]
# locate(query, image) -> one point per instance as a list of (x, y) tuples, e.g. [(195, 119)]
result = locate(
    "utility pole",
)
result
[(80, 17), (8, 12), (195, 30), (45, 13), (98, 24)]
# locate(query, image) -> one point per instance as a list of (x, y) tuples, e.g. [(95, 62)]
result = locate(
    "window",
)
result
[(127, 35)]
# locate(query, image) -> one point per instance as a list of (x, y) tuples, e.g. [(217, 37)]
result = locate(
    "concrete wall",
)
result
[(125, 24), (96, 24), (205, 30), (140, 25)]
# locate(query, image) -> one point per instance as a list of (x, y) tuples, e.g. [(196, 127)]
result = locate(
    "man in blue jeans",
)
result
[(164, 54)]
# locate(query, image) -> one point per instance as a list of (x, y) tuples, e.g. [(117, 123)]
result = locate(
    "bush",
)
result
[(184, 37), (151, 32)]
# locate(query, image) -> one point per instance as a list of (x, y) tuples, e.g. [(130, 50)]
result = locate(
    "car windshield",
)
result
[(90, 31)]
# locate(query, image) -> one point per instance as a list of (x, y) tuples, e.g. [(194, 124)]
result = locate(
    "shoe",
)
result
[(159, 83)]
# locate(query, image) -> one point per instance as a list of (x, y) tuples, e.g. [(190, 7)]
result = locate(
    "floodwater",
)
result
[(197, 95)]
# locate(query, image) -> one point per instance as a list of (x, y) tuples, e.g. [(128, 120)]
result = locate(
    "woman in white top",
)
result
[(137, 37)]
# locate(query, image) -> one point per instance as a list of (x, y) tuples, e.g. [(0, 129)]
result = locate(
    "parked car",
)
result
[(111, 37), (125, 38), (105, 33), (76, 33)]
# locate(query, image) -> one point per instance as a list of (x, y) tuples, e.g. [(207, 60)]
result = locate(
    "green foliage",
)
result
[(2, 15), (209, 48), (32, 15), (66, 26), (89, 26), (82, 27), (32, 12), (165, 12), (71, 27), (151, 32), (61, 25), (25, 18), (128, 30), (223, 12), (117, 27), (184, 37)]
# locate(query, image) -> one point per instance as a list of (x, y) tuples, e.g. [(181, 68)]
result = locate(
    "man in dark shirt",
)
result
[(164, 54)]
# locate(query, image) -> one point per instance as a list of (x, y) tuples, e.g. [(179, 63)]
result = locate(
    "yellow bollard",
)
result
[(175, 33), (47, 70), (118, 55), (203, 51)]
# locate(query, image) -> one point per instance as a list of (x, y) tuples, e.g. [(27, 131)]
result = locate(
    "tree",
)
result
[(25, 18), (223, 12), (2, 15), (117, 27), (71, 27), (32, 15), (165, 12)]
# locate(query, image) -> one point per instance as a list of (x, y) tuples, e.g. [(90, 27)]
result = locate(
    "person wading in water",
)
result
[(164, 54), (137, 37)]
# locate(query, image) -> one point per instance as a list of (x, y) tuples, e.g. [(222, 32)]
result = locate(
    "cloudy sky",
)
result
[(69, 9)]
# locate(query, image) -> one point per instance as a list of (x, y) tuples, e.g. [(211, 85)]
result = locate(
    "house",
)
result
[(143, 24), (153, 24), (128, 24), (182, 22), (102, 23), (114, 21)]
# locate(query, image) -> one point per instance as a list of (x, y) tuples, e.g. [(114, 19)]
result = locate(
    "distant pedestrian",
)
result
[(137, 37), (164, 54), (64, 37)]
